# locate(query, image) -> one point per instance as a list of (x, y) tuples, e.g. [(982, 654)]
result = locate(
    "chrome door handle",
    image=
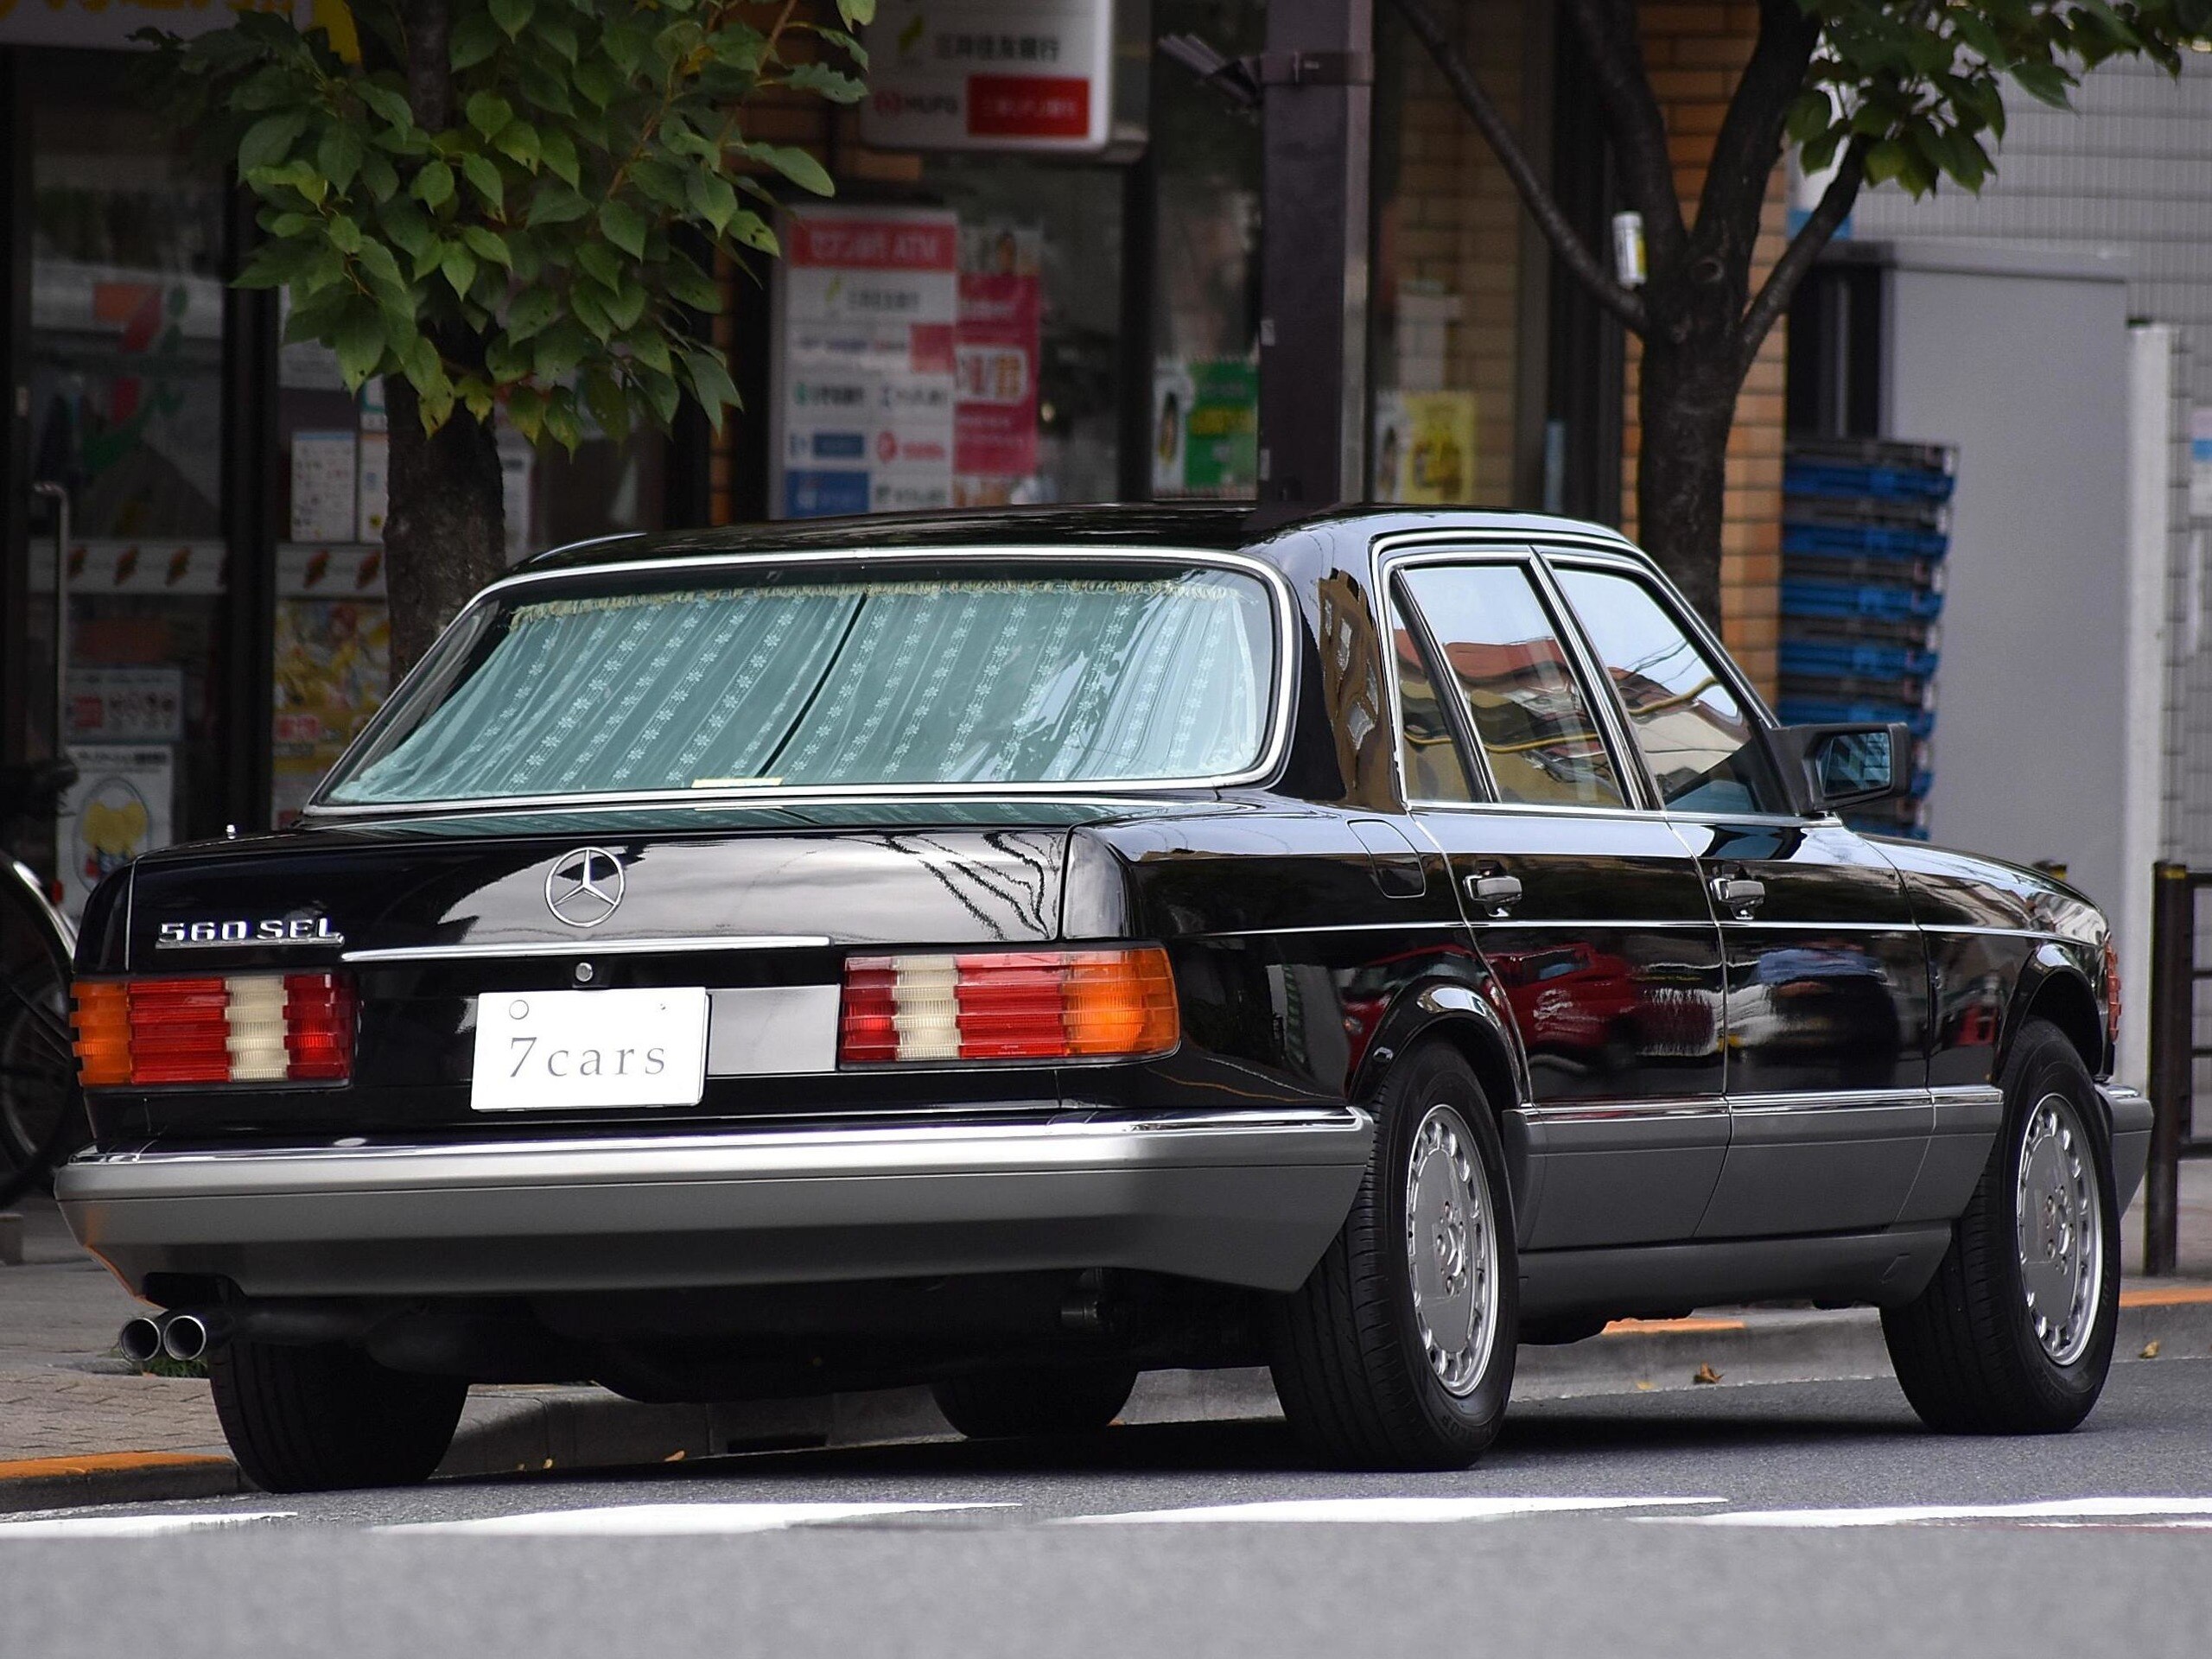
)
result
[(1493, 893), (1740, 895)]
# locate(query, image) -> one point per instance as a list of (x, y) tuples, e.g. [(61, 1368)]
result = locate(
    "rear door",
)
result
[(1828, 982), (1586, 906)]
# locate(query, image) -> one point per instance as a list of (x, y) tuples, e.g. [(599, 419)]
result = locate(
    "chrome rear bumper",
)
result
[(1241, 1198)]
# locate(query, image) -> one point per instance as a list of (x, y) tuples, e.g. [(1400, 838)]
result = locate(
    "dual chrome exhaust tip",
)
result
[(181, 1336)]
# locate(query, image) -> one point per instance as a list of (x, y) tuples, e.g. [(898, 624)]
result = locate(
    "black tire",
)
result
[(1967, 1349), (1041, 1400), (327, 1417), (1351, 1364)]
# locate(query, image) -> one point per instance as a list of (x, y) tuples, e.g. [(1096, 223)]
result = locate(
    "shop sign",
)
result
[(990, 74), (112, 22), (1205, 425), (863, 418), (1424, 447), (126, 567), (2200, 463), (119, 807), (332, 664), (126, 705), (994, 362)]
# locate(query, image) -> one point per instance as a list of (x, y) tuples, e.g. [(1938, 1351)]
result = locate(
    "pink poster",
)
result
[(994, 408)]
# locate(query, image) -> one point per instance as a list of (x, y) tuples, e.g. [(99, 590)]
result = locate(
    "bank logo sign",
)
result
[(990, 74)]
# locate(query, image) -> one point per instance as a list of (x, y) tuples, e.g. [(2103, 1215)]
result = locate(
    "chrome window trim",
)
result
[(1836, 1100), (1274, 749), (581, 947), (1440, 549)]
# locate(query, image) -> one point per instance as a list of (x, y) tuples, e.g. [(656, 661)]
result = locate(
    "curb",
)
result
[(522, 1430)]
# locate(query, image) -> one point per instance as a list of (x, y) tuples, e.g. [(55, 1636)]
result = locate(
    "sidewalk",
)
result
[(78, 1424)]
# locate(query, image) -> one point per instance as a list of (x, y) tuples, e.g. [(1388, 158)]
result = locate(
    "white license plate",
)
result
[(545, 1050)]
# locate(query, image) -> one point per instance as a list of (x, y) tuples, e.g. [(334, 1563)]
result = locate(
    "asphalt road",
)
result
[(1789, 1519)]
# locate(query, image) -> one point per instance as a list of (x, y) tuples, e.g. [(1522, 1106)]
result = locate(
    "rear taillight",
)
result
[(231, 1028), (1007, 1005)]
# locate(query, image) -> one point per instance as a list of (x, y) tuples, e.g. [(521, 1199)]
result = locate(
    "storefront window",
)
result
[(1446, 267), (1206, 281), (125, 401)]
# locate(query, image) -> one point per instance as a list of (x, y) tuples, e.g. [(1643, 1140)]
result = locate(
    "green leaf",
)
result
[(513, 16), (558, 152), (488, 112), (856, 13), (561, 348), (660, 183), (624, 306), (749, 229), (822, 80), (623, 225), (533, 309), (270, 140), (599, 265), (687, 284), (459, 265), (589, 312), (487, 245), (475, 38), (710, 383), (360, 342), (710, 196), (339, 154), (391, 105), (2045, 82), (649, 348), (432, 186), (380, 176), (795, 164), (486, 177), (556, 204), (345, 235), (518, 140)]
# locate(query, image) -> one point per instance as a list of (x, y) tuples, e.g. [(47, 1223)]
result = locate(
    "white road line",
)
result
[(1398, 1511), (2053, 1511), (663, 1519), (135, 1526)]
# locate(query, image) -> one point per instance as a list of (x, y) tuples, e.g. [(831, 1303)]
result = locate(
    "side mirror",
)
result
[(1833, 766)]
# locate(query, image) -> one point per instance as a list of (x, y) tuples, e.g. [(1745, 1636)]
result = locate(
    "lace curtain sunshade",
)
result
[(848, 684)]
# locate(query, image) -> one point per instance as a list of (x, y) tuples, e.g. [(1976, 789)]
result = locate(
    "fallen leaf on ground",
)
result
[(1644, 1387), (1706, 1373), (2150, 1350)]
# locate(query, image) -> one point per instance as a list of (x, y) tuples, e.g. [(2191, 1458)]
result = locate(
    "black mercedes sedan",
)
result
[(1013, 952)]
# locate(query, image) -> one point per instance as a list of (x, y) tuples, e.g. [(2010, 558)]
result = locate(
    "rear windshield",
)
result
[(1015, 677)]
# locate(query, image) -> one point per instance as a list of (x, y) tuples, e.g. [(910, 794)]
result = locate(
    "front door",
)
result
[(1827, 983), (118, 403), (1586, 906)]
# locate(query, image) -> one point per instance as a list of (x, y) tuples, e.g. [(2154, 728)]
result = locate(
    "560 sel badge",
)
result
[(269, 929)]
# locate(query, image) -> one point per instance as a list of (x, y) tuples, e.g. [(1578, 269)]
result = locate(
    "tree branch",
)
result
[(1781, 285), (1614, 45), (1749, 144), (1505, 143)]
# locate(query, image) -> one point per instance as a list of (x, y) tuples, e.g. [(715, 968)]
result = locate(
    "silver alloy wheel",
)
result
[(2061, 1230), (1451, 1250)]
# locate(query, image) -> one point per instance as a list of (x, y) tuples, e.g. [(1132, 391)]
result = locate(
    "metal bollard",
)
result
[(2173, 1038)]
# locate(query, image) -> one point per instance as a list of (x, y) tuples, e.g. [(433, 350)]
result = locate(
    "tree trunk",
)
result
[(1686, 405), (445, 534)]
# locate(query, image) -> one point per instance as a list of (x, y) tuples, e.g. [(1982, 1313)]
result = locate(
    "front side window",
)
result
[(1695, 734), (1528, 711), (1015, 676)]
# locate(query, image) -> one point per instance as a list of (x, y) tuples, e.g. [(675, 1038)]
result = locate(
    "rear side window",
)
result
[(1019, 677), (1426, 749), (1696, 735), (1528, 712)]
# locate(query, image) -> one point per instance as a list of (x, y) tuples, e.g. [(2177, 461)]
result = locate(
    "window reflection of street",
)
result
[(1821, 1008)]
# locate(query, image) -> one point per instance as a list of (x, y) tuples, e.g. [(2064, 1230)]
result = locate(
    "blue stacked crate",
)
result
[(1866, 526)]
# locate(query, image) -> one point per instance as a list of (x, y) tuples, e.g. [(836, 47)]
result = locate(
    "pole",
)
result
[(2173, 963), (1318, 76)]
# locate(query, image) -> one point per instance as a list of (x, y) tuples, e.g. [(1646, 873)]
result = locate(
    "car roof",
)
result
[(1204, 526)]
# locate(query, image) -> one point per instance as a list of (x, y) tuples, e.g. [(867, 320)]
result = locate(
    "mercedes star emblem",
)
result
[(584, 887)]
